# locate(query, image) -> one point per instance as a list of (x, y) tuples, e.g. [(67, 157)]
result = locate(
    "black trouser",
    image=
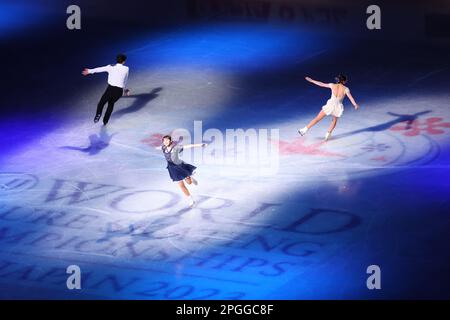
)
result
[(111, 95)]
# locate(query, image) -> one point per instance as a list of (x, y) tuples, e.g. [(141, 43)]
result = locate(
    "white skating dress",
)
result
[(334, 105)]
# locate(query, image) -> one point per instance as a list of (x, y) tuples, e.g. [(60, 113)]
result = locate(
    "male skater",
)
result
[(117, 80)]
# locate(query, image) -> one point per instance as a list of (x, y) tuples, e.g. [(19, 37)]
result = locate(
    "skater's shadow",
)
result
[(97, 143), (140, 100), (408, 118)]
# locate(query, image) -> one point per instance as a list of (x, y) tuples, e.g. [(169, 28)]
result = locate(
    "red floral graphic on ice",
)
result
[(298, 146), (154, 140), (433, 126), (381, 159)]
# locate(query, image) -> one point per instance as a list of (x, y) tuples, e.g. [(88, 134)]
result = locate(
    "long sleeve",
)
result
[(178, 148), (126, 80), (100, 69)]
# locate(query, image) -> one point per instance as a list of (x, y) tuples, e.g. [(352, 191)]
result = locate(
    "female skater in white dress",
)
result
[(334, 106)]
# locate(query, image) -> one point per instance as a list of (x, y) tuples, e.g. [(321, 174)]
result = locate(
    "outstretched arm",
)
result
[(195, 145), (352, 100), (317, 83), (95, 70)]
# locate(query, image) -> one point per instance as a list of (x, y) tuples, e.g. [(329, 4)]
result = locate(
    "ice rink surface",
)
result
[(303, 221)]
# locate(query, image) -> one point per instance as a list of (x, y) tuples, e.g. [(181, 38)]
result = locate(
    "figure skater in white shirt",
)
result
[(117, 80)]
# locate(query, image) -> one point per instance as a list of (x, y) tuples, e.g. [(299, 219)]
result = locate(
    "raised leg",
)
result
[(314, 121), (103, 100)]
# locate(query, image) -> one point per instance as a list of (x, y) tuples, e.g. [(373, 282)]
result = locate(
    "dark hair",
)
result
[(166, 137), (340, 78), (121, 58)]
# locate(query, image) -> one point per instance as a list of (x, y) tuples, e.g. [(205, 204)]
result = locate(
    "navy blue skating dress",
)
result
[(178, 169)]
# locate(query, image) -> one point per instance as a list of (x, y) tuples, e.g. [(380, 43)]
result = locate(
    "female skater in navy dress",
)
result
[(179, 171)]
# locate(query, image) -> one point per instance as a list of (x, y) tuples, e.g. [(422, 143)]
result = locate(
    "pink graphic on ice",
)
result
[(432, 126), (298, 146), (154, 140)]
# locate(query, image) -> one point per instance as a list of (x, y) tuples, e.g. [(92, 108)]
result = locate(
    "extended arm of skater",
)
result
[(317, 83), (188, 146), (352, 100), (87, 71), (195, 145)]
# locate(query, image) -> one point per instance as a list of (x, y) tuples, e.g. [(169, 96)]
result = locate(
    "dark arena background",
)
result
[(277, 215)]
